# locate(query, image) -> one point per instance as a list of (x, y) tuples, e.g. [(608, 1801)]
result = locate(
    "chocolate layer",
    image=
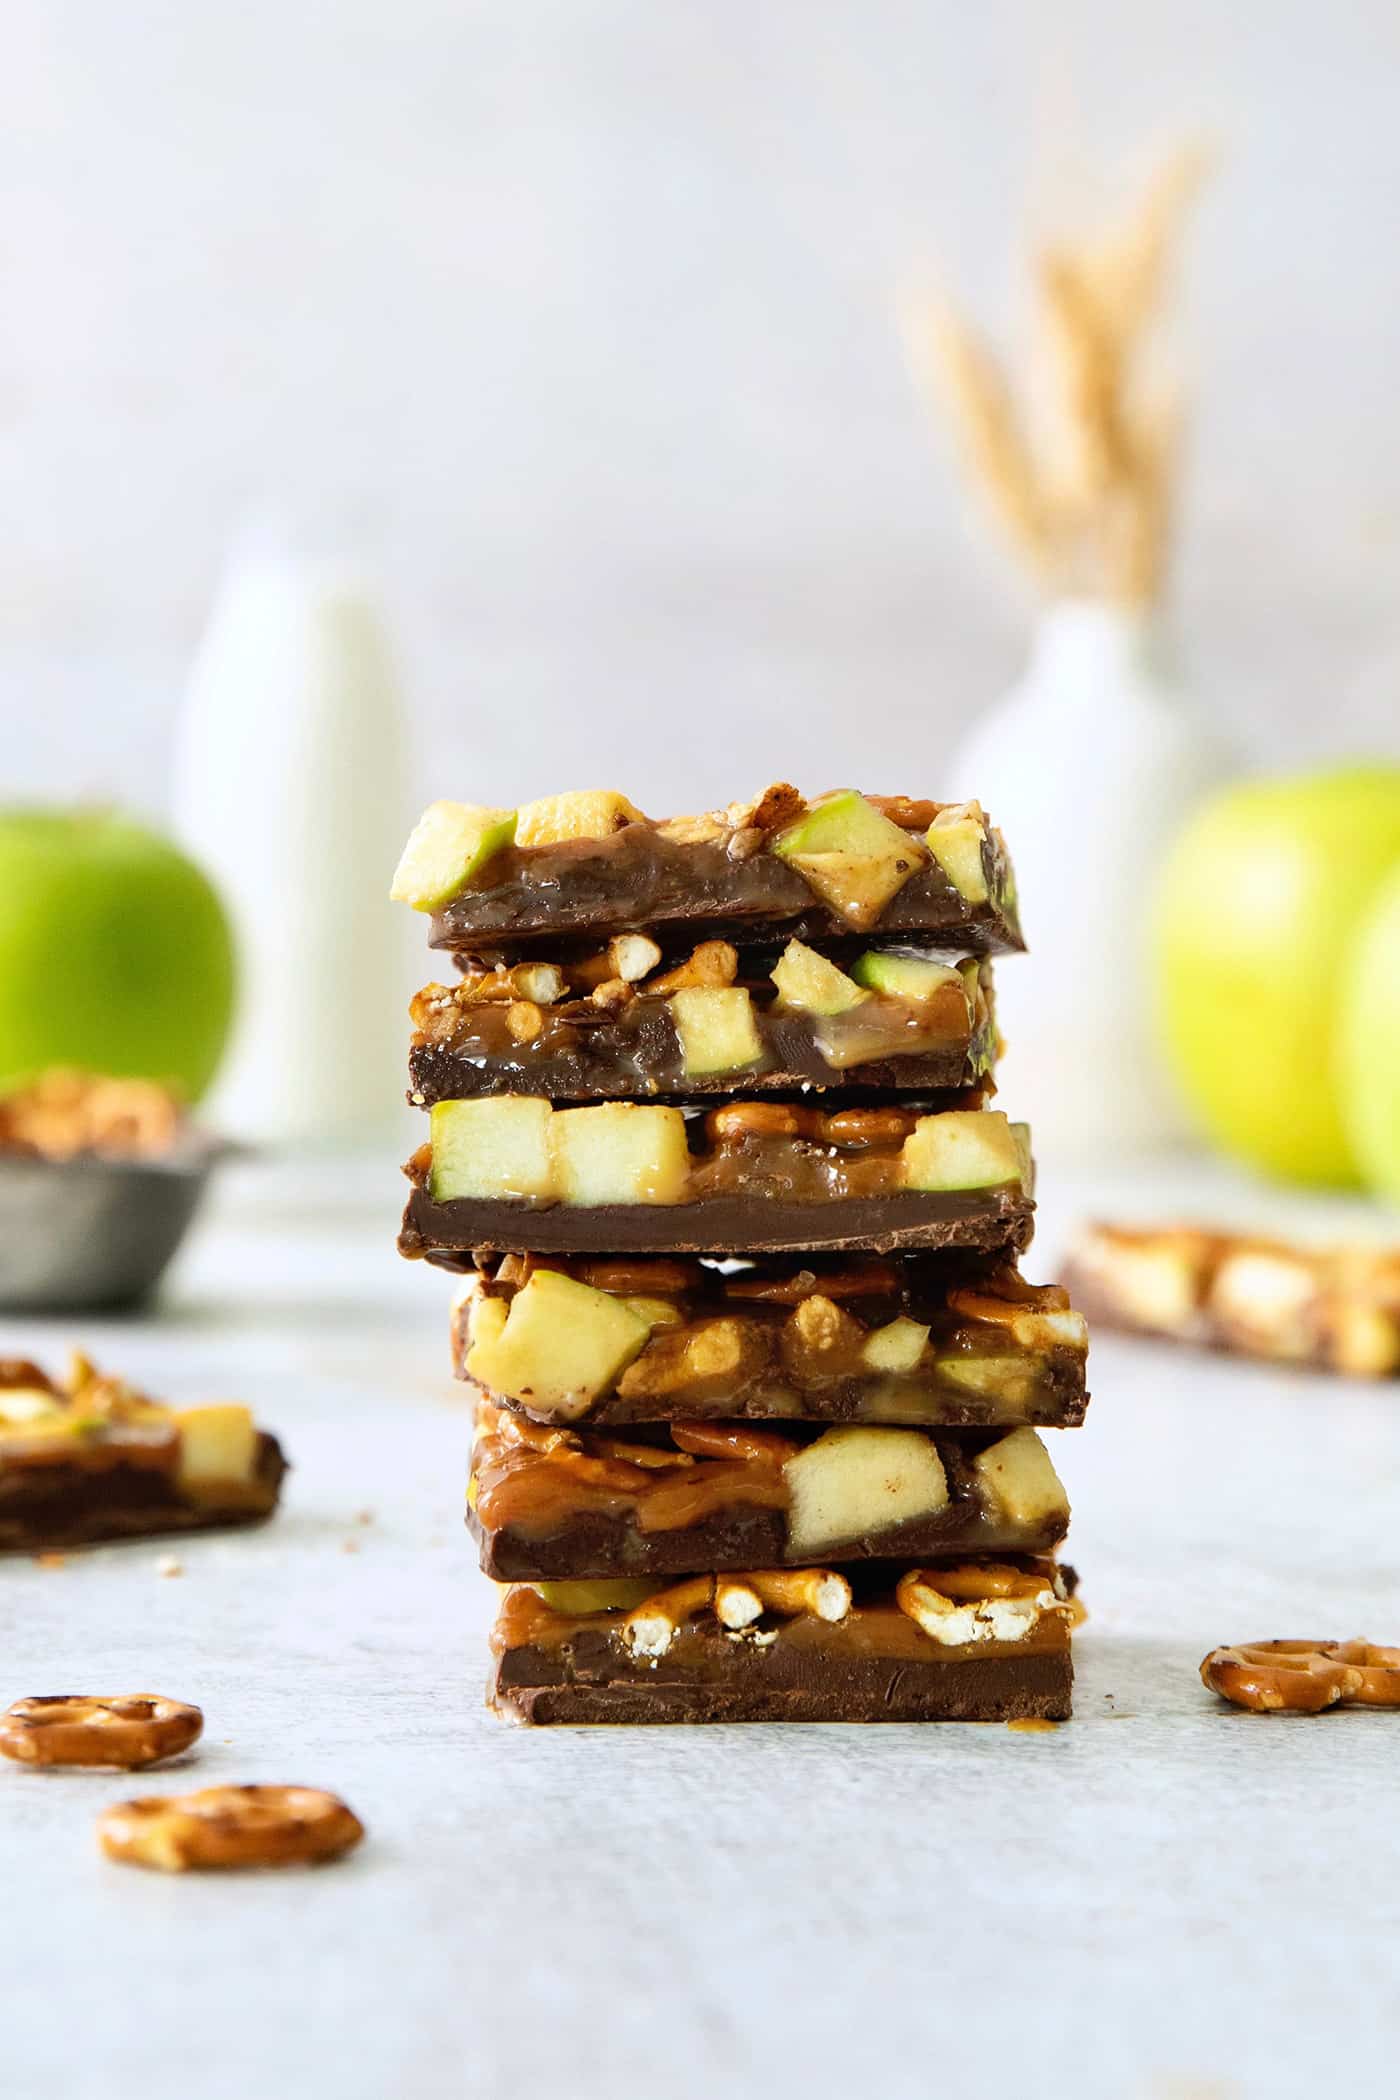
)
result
[(551, 1506), (52, 1506), (639, 877), (875, 1666), (814, 1339), (994, 1221), (583, 1053)]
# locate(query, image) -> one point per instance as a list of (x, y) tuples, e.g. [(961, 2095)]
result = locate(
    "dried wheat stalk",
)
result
[(1098, 520)]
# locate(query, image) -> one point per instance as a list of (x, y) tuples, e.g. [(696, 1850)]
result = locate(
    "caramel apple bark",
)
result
[(909, 1342), (95, 1460), (1336, 1309), (623, 1024), (980, 1642), (516, 1174), (722, 1495), (781, 865)]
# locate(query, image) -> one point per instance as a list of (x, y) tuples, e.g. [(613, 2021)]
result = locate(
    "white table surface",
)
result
[(1163, 1899)]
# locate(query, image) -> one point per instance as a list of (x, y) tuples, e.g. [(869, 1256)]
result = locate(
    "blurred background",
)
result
[(574, 321), (478, 400)]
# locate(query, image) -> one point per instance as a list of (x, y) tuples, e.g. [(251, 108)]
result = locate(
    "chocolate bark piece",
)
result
[(876, 1664), (579, 1051), (916, 1341), (549, 1505), (93, 1459), (995, 1221), (1335, 1309), (56, 1507), (648, 875)]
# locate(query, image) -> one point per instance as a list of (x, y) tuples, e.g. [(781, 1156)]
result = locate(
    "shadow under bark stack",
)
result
[(713, 1149)]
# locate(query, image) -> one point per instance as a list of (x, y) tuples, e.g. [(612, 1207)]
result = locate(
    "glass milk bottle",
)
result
[(289, 788)]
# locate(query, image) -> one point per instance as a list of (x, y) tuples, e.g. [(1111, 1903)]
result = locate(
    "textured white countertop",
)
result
[(1164, 1900)]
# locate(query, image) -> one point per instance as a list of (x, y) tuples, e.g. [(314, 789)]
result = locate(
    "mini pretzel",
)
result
[(130, 1731), (1379, 1671), (1301, 1677), (229, 1826)]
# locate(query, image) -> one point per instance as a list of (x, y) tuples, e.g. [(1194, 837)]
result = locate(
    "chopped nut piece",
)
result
[(541, 982), (820, 1338), (632, 956), (713, 963), (776, 806), (524, 1020)]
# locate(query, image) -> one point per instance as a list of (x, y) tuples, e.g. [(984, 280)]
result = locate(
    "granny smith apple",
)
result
[(1258, 903), (115, 953), (1370, 1042)]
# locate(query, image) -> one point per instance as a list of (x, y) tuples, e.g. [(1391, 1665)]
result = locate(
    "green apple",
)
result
[(115, 952), (1257, 904), (1369, 1045)]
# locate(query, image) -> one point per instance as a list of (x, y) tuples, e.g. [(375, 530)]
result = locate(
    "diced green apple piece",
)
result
[(855, 1483), (905, 976), (716, 1028), (449, 844), (963, 1149), (897, 1347), (579, 1600), (560, 1346), (1019, 1480), (492, 1149), (620, 1153), (586, 813), (955, 838), (218, 1446), (1010, 1379), (811, 984), (855, 858)]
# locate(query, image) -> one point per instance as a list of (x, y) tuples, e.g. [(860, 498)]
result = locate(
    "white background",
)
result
[(573, 317)]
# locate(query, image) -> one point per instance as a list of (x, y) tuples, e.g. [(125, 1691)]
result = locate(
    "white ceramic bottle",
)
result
[(1089, 766), (289, 787)]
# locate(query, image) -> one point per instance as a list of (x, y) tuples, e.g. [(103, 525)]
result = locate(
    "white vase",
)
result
[(289, 789), (1089, 766)]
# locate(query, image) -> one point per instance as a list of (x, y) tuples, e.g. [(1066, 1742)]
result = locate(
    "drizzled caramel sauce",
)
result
[(878, 1630), (1033, 1724)]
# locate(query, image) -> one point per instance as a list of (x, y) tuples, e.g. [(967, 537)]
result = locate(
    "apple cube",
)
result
[(22, 1404), (592, 813), (451, 842), (218, 1446), (579, 1600), (560, 1345), (955, 838), (854, 857), (716, 1029), (492, 1150), (620, 1152), (1008, 1379), (905, 976), (855, 1483), (897, 1347), (809, 983), (1018, 1479), (962, 1149)]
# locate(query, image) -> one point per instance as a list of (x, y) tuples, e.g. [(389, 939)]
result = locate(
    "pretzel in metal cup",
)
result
[(129, 1732), (1300, 1677), (229, 1826)]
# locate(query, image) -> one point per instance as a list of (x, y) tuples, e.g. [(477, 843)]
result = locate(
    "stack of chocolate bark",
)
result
[(713, 1149)]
